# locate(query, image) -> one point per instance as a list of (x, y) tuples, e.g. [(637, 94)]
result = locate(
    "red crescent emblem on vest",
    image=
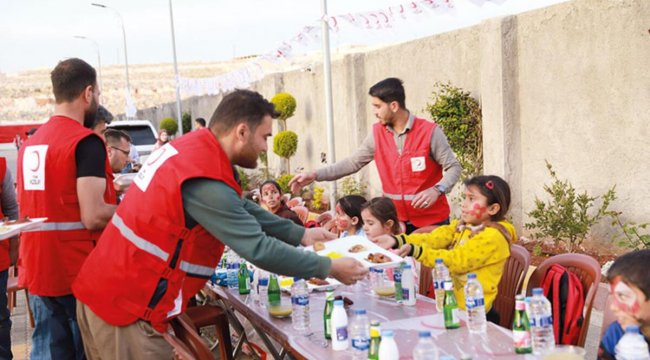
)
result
[(38, 161), (161, 152)]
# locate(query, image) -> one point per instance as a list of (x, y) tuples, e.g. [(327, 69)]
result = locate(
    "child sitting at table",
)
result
[(273, 201), (630, 290), (478, 243), (379, 217), (348, 215)]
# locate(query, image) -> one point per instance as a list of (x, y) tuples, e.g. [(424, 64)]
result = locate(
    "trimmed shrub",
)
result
[(170, 125)]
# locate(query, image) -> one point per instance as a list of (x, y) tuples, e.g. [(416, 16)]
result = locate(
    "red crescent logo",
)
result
[(161, 152), (38, 160)]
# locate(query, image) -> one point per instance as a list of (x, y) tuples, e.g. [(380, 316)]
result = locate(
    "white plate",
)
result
[(8, 231), (332, 284), (343, 245)]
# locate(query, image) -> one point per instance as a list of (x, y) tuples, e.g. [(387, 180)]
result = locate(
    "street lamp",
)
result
[(99, 59), (178, 91), (126, 59)]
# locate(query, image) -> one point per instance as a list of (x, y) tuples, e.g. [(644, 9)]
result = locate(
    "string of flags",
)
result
[(307, 36)]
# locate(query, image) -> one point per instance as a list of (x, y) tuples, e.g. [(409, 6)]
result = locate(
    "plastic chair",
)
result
[(588, 271), (512, 280), (179, 350), (426, 277), (208, 315), (12, 289), (187, 333)]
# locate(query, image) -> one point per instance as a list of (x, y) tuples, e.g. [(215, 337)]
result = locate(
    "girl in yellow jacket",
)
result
[(478, 243)]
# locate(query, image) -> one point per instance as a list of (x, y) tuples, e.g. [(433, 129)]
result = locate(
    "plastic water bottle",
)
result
[(475, 305), (541, 316), (425, 349), (300, 305), (408, 286), (360, 334), (233, 270), (632, 345), (263, 286), (388, 347), (339, 327), (440, 276)]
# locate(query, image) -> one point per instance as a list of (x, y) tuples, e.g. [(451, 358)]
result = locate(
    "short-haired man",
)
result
[(61, 176), (103, 118), (411, 155), (168, 235), (199, 123), (118, 147)]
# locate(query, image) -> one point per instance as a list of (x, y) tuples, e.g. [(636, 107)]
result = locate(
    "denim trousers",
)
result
[(5, 320), (56, 334)]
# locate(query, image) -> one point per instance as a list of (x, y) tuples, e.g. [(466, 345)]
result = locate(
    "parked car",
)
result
[(142, 132)]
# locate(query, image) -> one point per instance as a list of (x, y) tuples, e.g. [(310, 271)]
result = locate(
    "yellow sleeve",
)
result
[(487, 247), (439, 238)]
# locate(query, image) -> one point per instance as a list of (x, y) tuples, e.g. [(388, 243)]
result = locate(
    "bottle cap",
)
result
[(439, 261), (632, 329), (520, 297), (538, 291), (376, 270), (360, 311), (471, 276), (296, 279), (388, 333), (338, 302), (424, 334), (374, 323), (263, 281), (449, 285)]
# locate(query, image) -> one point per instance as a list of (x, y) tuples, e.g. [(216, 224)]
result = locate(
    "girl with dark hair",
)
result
[(479, 242), (380, 217), (348, 215), (273, 201)]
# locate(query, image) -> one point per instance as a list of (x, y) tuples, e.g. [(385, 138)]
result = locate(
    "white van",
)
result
[(142, 133)]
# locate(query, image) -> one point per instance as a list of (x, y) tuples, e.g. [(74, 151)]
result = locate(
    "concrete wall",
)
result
[(569, 84)]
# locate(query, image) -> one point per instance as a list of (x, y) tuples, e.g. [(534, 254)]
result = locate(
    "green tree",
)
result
[(285, 144), (567, 216), (170, 125), (285, 104), (187, 122), (459, 115)]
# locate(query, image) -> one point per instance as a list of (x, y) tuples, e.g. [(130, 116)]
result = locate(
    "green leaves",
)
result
[(285, 104), (170, 125), (285, 144), (459, 115), (567, 216)]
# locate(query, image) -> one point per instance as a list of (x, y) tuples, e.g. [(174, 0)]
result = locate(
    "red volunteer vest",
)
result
[(146, 245), (404, 175), (4, 244), (50, 258)]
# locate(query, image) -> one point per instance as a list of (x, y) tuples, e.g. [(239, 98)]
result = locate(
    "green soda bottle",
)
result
[(521, 327), (274, 290), (327, 314), (375, 339), (450, 307), (243, 279)]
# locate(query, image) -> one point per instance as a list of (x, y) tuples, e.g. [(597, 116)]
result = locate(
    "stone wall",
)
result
[(569, 84)]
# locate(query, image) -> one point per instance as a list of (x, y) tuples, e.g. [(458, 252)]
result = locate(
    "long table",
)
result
[(406, 321)]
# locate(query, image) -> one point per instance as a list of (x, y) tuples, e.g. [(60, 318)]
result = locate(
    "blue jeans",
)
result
[(56, 335), (5, 320)]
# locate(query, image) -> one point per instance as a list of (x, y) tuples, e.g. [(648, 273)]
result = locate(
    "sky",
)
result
[(39, 33)]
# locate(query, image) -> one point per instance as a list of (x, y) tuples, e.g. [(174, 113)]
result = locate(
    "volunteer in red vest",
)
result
[(62, 176), (415, 162), (8, 254), (168, 235)]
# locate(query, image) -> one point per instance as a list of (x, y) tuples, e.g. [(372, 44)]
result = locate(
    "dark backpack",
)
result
[(564, 290)]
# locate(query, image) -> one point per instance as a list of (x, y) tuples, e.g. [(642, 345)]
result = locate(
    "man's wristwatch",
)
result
[(441, 188)]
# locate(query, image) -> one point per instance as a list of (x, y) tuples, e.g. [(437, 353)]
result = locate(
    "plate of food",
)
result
[(313, 283), (11, 228), (358, 247)]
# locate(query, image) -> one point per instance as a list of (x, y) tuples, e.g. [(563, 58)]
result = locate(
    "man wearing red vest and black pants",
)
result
[(8, 254), (168, 235), (411, 155), (61, 176)]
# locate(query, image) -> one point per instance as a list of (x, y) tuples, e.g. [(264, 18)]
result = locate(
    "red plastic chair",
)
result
[(588, 271), (12, 289), (512, 280)]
